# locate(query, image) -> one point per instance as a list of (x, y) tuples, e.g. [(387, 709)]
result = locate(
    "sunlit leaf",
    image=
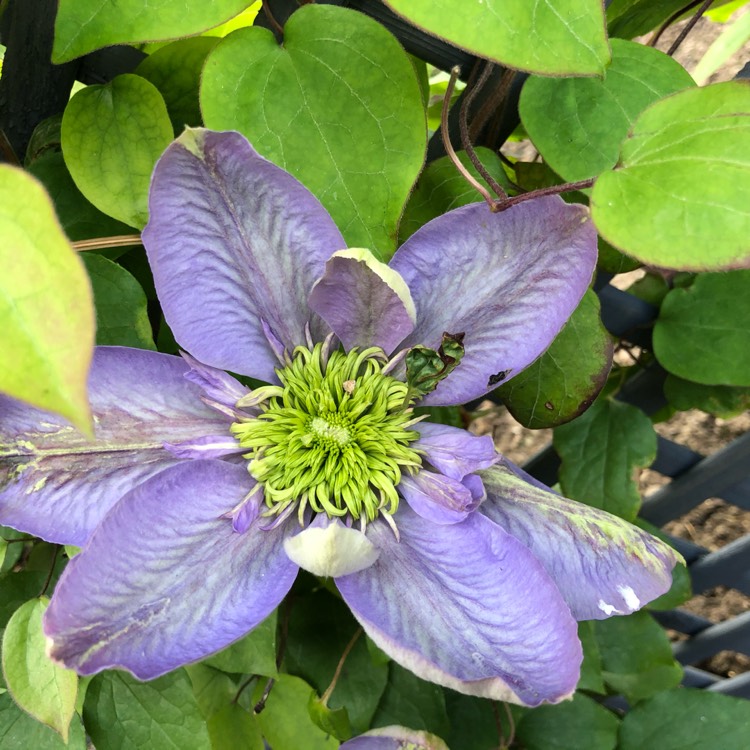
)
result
[(46, 309)]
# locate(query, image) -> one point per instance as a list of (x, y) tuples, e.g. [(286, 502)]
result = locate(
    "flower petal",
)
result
[(455, 452), (57, 485), (395, 738), (509, 281), (365, 302), (601, 564), (165, 580), (466, 606), (216, 384), (441, 499), (327, 548), (233, 241)]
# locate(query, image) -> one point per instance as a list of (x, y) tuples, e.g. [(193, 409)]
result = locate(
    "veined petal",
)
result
[(455, 452), (57, 485), (395, 738), (509, 281), (602, 565), (365, 302), (208, 446), (327, 548), (165, 580), (441, 499), (216, 384), (233, 239), (466, 606)]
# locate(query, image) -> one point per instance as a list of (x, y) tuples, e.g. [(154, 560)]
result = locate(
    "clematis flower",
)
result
[(201, 498)]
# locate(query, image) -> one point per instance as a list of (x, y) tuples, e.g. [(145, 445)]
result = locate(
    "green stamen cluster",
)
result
[(333, 436)]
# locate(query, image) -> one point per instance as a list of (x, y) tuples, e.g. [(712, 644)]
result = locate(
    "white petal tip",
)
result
[(332, 551)]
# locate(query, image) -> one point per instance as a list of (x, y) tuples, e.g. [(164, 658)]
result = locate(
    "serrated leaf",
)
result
[(600, 451), (703, 332), (176, 70), (121, 305), (121, 713), (684, 719), (340, 108), (82, 26), (566, 379), (636, 656), (723, 401), (112, 136), (441, 188), (46, 309), (578, 124), (678, 198), (557, 37), (234, 727), (410, 701), (580, 723), (39, 686), (253, 654), (320, 627), (285, 721), (19, 731)]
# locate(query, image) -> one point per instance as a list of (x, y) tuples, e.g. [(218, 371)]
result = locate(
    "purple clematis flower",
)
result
[(201, 498)]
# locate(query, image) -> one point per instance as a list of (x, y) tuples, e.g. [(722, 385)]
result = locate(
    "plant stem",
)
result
[(689, 27), (655, 38), (349, 646), (455, 72), (499, 206), (101, 243)]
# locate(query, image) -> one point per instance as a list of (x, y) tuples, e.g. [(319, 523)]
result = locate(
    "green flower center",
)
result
[(334, 436)]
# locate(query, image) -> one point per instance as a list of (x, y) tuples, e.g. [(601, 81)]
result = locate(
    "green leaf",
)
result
[(731, 40), (213, 690), (412, 702), (685, 719), (580, 723), (564, 381), (234, 727), (601, 451), (578, 124), (320, 628), (472, 722), (678, 198), (80, 219), (176, 70), (333, 721), (591, 668), (703, 332), (121, 713), (629, 18), (339, 107), (253, 654), (285, 721), (46, 310), (558, 37), (82, 26), (39, 686), (441, 188), (16, 589), (636, 656), (19, 731), (723, 401), (121, 314), (112, 136), (613, 261)]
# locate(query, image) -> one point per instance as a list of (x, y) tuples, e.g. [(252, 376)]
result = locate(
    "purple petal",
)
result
[(509, 281), (208, 446), (601, 564), (455, 452), (215, 384), (165, 580), (466, 606), (441, 499), (233, 239), (365, 302), (57, 485), (395, 738)]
